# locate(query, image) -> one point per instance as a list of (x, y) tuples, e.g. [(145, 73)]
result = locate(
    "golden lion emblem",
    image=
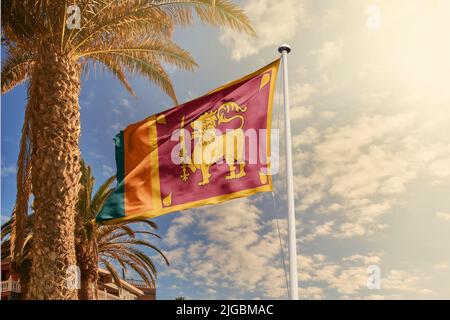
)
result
[(211, 147)]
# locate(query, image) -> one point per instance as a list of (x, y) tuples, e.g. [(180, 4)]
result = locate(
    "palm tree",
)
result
[(22, 264), (119, 245), (107, 245), (126, 37), (86, 229)]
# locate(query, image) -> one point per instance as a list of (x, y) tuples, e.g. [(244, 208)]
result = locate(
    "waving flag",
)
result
[(211, 149)]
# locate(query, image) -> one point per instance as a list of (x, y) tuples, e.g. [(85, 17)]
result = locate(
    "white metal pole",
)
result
[(293, 279)]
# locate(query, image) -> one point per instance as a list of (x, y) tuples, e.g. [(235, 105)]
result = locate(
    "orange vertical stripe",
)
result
[(138, 183)]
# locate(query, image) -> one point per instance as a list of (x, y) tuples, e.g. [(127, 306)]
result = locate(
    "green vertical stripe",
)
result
[(120, 156), (115, 205)]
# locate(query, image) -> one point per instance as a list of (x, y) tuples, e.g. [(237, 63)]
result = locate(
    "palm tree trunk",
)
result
[(86, 291), (87, 259), (24, 289), (24, 276), (55, 173)]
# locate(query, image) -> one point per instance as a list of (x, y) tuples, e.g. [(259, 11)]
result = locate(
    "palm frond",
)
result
[(127, 231), (112, 270), (119, 234), (151, 49), (126, 259), (24, 187), (146, 259), (225, 13), (142, 270), (143, 243), (146, 271), (150, 70), (120, 244), (103, 231), (214, 12), (7, 228), (123, 19), (116, 69), (137, 17), (89, 15), (16, 68), (101, 195), (33, 19), (143, 57), (147, 222)]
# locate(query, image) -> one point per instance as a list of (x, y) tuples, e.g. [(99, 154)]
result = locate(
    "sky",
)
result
[(370, 113)]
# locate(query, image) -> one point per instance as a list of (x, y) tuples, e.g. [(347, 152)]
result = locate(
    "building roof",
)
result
[(124, 284)]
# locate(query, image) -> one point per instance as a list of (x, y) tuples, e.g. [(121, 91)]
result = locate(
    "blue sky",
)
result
[(370, 115)]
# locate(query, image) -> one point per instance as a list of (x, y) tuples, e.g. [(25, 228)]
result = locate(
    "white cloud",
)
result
[(301, 93), (123, 106), (116, 127), (108, 171), (443, 265), (440, 168), (329, 53), (311, 293), (349, 230), (393, 185), (401, 280), (7, 171), (309, 136), (173, 233), (346, 278), (235, 238), (361, 166), (349, 277), (318, 231), (240, 252), (367, 260), (274, 21), (443, 216), (328, 114), (300, 112), (95, 155)]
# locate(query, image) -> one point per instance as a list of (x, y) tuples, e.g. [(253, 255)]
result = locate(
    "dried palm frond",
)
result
[(20, 213), (16, 68)]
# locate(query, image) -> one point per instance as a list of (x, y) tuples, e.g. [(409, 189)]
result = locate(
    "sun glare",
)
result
[(416, 34)]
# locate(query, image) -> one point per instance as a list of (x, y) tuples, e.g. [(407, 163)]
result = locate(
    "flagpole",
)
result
[(284, 50)]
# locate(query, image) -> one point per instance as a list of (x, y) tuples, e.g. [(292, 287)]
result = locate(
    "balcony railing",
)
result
[(14, 286), (10, 286), (103, 295), (139, 283)]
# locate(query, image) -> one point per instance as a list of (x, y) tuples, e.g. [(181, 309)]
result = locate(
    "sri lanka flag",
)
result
[(208, 150)]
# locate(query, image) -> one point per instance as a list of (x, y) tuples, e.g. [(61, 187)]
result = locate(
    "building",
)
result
[(10, 282), (106, 288), (149, 292), (131, 289)]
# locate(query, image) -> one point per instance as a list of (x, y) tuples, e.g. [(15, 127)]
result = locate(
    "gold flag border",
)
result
[(158, 208)]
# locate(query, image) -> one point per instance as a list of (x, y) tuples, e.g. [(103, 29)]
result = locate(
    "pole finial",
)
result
[(284, 47)]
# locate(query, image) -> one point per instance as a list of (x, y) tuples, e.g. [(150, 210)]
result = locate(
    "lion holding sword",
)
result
[(211, 148)]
